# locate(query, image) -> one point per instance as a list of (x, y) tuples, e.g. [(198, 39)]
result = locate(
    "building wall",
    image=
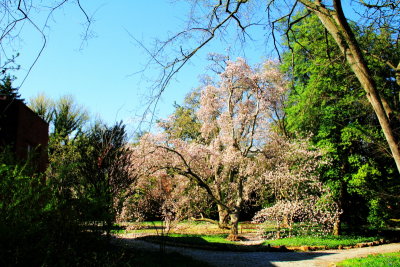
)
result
[(24, 131)]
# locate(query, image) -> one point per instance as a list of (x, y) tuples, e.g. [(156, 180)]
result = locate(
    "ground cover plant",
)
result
[(323, 241), (376, 260)]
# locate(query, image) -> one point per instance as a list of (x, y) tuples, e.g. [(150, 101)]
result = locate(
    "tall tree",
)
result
[(327, 101), (64, 115), (104, 171), (381, 14), (42, 106), (68, 117), (338, 26), (234, 117), (184, 123)]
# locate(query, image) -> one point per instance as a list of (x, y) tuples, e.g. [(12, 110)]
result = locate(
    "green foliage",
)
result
[(57, 218), (68, 117), (6, 88), (64, 115), (327, 101), (31, 224), (42, 106), (184, 124), (380, 260), (90, 173), (103, 172)]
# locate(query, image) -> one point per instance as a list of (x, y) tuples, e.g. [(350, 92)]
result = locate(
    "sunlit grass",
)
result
[(387, 259), (327, 241), (191, 239), (185, 227), (207, 234), (210, 242)]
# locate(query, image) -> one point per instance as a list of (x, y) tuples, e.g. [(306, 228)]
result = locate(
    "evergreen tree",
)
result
[(6, 88)]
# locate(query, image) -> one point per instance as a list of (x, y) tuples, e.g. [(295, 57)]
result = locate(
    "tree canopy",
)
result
[(207, 21), (228, 162), (327, 101)]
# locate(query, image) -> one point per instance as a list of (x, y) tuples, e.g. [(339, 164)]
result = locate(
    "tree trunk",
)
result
[(285, 221), (233, 236), (222, 217), (336, 228), (235, 211), (336, 24)]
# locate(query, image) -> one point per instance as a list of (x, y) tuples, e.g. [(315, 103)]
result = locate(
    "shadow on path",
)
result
[(260, 258)]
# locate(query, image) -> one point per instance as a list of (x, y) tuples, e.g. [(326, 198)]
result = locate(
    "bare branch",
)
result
[(15, 16), (189, 173)]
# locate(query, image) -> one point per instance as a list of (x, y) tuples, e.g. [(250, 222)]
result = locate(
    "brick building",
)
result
[(24, 131)]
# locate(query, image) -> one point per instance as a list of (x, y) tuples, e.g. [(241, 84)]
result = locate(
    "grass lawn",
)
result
[(328, 241), (184, 227), (220, 242), (200, 239), (209, 236), (208, 242), (387, 259)]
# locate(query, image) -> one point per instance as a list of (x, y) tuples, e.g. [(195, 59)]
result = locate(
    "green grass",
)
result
[(192, 240), (150, 227), (202, 238), (208, 236), (137, 231), (119, 231), (328, 241), (209, 242), (153, 223), (387, 259)]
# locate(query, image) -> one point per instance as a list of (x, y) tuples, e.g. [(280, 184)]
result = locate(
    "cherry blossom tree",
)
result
[(235, 115), (291, 177)]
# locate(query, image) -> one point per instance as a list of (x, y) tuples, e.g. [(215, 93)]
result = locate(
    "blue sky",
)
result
[(100, 75)]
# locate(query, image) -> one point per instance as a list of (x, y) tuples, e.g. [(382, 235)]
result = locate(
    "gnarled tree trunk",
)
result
[(234, 220), (235, 212), (223, 217)]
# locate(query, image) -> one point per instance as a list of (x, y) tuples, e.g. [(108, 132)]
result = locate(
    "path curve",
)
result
[(256, 259)]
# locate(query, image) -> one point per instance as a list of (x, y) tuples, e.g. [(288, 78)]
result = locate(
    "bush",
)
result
[(36, 223), (315, 215)]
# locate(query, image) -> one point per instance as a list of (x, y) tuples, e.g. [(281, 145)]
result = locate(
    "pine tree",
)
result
[(7, 90)]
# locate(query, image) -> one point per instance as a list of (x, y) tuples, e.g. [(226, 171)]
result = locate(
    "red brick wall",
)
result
[(21, 128)]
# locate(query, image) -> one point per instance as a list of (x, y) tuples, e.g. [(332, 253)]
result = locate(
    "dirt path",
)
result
[(244, 259)]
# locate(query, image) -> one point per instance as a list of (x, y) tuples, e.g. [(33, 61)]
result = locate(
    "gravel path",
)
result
[(244, 259)]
